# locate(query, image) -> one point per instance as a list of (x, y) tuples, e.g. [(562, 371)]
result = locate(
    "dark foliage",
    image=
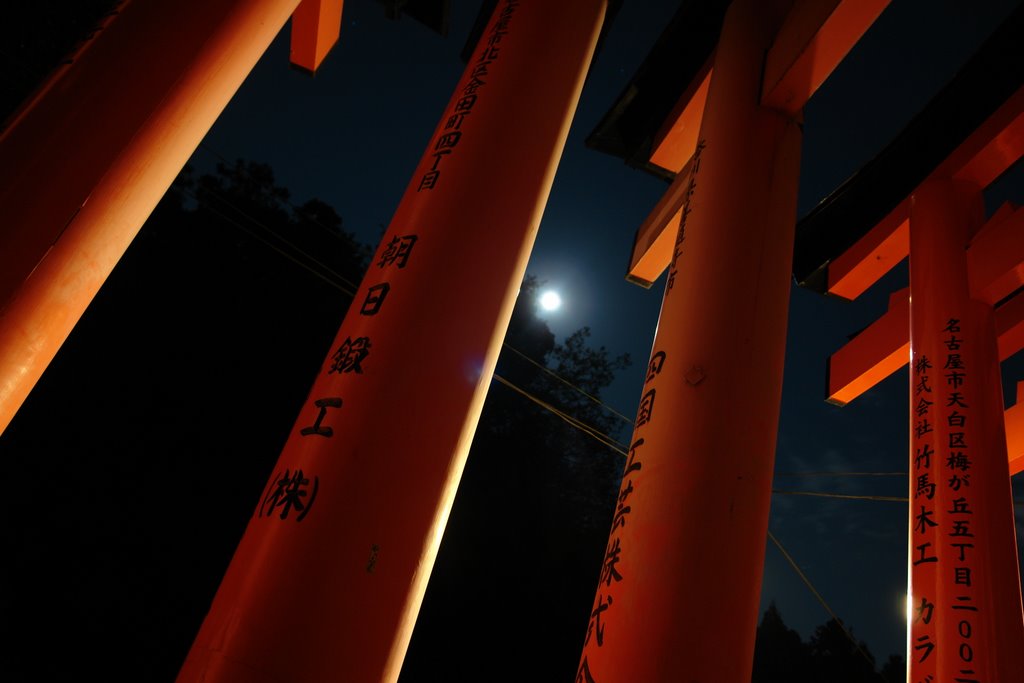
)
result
[(144, 447), (781, 656)]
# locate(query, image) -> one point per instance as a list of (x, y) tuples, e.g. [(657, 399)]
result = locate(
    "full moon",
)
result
[(550, 301)]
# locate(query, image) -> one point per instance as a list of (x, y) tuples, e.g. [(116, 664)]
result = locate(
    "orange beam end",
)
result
[(874, 354), (1010, 327), (991, 149), (814, 38), (1015, 433), (676, 141), (315, 28), (884, 347), (872, 256), (655, 239), (995, 258)]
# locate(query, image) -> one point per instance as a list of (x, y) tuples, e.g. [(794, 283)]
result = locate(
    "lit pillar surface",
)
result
[(678, 592), (85, 161), (330, 573), (965, 617)]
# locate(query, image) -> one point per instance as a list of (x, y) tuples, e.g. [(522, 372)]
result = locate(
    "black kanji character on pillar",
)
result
[(961, 527), (954, 361), (924, 486), (646, 409), (960, 507), (611, 558), (375, 299), (924, 520), (958, 460), (952, 325), (956, 481), (350, 355), (323, 404), (921, 365), (923, 612), (287, 494), (956, 399), (655, 366), (962, 550), (397, 251), (584, 675), (922, 558), (956, 419), (632, 464), (922, 407), (595, 627), (927, 645), (923, 457), (962, 576)]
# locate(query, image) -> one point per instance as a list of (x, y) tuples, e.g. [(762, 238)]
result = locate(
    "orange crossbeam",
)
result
[(884, 346), (655, 239), (874, 354), (991, 149), (315, 28), (995, 257), (872, 256), (676, 141), (814, 38), (1015, 432)]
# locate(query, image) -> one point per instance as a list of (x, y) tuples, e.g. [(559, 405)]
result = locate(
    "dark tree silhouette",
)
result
[(145, 446)]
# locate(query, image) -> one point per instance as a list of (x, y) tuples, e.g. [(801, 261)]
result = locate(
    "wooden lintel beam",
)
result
[(655, 239), (316, 25), (872, 256), (814, 38), (884, 347), (677, 139), (874, 354), (995, 258)]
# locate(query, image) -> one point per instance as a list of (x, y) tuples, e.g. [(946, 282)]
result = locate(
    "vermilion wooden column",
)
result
[(965, 603), (678, 593), (329, 576), (85, 161)]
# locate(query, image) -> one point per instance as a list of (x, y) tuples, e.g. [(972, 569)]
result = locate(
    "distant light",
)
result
[(550, 301)]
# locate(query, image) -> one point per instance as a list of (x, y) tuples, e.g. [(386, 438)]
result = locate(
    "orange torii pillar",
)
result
[(964, 615), (678, 592), (330, 573), (86, 159)]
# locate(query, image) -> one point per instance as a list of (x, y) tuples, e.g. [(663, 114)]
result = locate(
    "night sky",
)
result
[(353, 134)]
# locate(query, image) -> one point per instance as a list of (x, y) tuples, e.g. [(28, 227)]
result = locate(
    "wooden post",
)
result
[(331, 571)]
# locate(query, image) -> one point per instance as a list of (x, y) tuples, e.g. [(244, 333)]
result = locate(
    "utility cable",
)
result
[(280, 251), (840, 474), (582, 426), (814, 591), (845, 496), (566, 382)]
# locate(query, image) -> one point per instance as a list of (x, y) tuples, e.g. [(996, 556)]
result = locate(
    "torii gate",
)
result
[(962, 314), (253, 632), (687, 464)]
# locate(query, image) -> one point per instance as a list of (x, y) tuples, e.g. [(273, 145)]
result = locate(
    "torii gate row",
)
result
[(335, 468), (994, 254), (967, 620)]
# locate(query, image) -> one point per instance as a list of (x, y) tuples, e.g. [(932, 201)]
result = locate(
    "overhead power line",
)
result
[(818, 596), (566, 382)]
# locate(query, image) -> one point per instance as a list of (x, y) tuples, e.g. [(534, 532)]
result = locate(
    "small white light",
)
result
[(550, 301)]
